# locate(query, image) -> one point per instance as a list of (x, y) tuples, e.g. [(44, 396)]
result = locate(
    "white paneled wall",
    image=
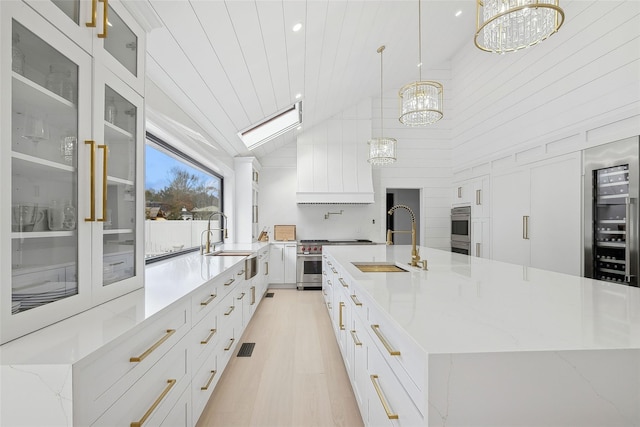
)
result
[(424, 163), (578, 89)]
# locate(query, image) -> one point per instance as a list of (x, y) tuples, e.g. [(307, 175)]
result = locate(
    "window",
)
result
[(180, 196)]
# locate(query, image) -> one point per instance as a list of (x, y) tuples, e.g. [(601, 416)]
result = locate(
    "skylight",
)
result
[(272, 127)]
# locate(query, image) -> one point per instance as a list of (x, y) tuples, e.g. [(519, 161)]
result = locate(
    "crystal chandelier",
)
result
[(381, 150), (510, 25), (422, 100)]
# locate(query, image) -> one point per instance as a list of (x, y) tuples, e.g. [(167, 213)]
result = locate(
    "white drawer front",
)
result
[(389, 403), (151, 399), (204, 301), (204, 336), (102, 377), (203, 382), (404, 356)]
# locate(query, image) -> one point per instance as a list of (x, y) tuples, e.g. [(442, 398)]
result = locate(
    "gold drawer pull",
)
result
[(105, 19), (383, 400), (228, 312), (329, 283), (241, 296), (343, 282), (153, 347), (206, 386), (356, 340), (240, 273), (324, 272), (253, 295), (355, 300), (211, 334), (341, 319), (228, 347), (329, 305), (211, 298), (392, 352), (334, 270), (230, 281), (155, 404)]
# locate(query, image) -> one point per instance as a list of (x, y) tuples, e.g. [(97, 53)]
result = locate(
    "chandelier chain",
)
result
[(419, 41)]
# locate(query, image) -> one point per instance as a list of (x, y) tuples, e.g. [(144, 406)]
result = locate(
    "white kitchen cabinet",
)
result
[(282, 263), (247, 173), (536, 215), (481, 238), (105, 30), (71, 142), (475, 193)]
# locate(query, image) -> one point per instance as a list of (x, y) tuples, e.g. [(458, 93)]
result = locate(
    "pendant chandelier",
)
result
[(510, 25), (421, 101), (382, 150)]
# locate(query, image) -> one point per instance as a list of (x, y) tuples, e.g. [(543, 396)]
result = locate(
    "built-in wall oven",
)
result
[(461, 230), (309, 265)]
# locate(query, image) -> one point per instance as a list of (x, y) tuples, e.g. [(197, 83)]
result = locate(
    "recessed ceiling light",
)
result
[(298, 95), (297, 27), (458, 13)]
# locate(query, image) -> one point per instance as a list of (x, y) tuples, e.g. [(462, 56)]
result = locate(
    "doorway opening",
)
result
[(402, 220)]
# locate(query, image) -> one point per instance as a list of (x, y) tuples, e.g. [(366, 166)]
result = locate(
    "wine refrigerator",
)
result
[(611, 212)]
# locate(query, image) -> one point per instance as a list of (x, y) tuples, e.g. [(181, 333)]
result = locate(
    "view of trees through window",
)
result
[(180, 196)]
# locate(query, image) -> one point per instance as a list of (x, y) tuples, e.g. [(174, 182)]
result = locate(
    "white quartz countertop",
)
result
[(166, 282), (465, 304)]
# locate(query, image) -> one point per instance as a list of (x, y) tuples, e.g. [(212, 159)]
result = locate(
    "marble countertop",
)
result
[(166, 282), (465, 304)]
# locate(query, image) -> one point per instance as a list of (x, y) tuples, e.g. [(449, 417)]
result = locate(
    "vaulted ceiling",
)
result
[(230, 64)]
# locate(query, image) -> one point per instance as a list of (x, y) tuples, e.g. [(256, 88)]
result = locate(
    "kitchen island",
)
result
[(481, 342), (80, 370)]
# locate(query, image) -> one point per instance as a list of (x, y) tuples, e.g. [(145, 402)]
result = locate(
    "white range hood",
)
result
[(332, 160)]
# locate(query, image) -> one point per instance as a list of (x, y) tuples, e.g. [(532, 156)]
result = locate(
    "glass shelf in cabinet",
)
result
[(114, 133), (41, 234), (40, 166), (26, 93)]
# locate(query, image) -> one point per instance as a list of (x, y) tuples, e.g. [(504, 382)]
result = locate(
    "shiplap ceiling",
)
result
[(230, 64)]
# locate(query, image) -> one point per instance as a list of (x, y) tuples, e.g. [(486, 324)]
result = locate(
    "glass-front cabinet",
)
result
[(71, 144)]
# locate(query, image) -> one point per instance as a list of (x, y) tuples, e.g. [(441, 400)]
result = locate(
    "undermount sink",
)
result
[(230, 253), (378, 267)]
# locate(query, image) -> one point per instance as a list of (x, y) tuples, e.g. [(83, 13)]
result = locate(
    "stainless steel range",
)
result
[(309, 265)]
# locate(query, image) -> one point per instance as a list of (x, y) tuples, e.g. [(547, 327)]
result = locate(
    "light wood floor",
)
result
[(295, 376)]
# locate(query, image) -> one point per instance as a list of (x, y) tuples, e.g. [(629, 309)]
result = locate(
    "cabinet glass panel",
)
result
[(70, 8), (120, 217), (610, 222), (44, 178), (122, 43)]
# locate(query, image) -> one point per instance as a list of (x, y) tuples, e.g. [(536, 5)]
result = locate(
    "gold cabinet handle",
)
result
[(266, 270), (324, 272), (478, 202), (228, 347), (153, 347), (459, 192), (344, 284), (383, 400), (241, 296), (240, 273), (478, 250), (392, 352), (355, 300), (94, 14), (525, 227), (155, 404), (356, 340), (92, 182), (105, 19), (253, 295), (334, 270), (230, 281), (208, 300), (341, 319), (228, 312), (329, 283), (104, 182), (206, 386), (212, 332)]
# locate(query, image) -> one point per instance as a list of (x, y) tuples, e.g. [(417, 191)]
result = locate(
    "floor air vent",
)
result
[(269, 295), (246, 349)]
